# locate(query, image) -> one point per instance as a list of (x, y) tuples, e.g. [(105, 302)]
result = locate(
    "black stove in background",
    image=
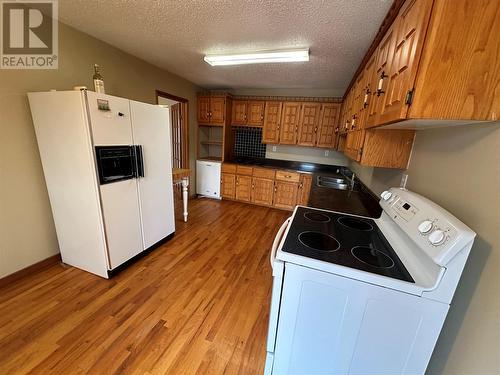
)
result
[(344, 240)]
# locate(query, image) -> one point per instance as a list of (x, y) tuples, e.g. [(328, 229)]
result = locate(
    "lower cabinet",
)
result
[(262, 191), (228, 185), (304, 189), (265, 186), (285, 194), (243, 188)]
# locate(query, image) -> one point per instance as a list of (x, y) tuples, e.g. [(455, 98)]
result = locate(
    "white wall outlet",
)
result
[(274, 148), (327, 152)]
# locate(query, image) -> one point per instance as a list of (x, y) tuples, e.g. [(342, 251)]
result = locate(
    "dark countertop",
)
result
[(361, 201)]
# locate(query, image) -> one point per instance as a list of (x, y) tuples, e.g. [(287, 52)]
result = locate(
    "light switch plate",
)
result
[(274, 148), (327, 152)]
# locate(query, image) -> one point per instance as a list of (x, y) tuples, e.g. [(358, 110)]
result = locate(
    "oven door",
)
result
[(115, 163)]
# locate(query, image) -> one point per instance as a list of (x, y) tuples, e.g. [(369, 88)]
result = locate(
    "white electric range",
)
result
[(354, 295)]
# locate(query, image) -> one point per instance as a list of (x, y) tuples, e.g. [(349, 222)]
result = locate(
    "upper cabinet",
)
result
[(406, 47), (459, 71), (248, 113), (290, 116), (328, 125), (211, 109), (308, 124), (436, 64), (272, 118)]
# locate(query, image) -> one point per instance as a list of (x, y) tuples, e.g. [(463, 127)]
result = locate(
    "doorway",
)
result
[(180, 127)]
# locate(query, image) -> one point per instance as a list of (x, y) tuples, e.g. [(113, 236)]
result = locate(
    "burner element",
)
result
[(354, 223), (319, 241), (372, 257), (317, 216)]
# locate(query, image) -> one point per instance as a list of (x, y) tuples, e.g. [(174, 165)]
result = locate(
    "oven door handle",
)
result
[(277, 240)]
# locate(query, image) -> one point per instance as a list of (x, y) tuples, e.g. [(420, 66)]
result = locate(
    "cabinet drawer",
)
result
[(244, 170), (264, 173), (228, 168), (288, 176)]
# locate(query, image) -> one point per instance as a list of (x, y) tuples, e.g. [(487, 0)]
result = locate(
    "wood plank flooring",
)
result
[(198, 304)]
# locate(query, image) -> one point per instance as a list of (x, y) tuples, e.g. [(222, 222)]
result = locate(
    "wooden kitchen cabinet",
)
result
[(228, 185), (248, 113), (255, 113), (243, 188), (379, 77), (203, 109), (285, 194), (409, 33), (262, 191), (272, 118), (290, 117), (211, 109), (304, 189), (328, 125), (239, 114), (308, 124), (459, 72)]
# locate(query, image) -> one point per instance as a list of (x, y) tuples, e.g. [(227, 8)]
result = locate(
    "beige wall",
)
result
[(459, 168), (27, 232)]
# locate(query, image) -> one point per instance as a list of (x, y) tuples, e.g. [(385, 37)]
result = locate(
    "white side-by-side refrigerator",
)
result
[(108, 169)]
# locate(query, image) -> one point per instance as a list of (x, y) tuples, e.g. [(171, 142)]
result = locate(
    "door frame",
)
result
[(184, 110)]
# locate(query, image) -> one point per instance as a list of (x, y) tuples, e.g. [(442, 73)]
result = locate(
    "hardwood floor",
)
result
[(198, 304)]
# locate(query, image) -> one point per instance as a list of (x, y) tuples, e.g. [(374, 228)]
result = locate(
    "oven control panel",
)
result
[(432, 228)]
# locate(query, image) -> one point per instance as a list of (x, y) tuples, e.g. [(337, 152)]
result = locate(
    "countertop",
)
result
[(361, 201)]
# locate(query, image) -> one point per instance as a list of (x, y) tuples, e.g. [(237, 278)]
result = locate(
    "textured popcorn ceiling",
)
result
[(175, 35)]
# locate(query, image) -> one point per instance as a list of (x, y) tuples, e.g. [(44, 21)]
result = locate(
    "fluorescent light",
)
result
[(259, 57)]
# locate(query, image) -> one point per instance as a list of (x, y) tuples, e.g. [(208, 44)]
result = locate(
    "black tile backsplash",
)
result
[(248, 143)]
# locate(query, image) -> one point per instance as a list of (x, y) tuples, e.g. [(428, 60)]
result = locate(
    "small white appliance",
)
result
[(108, 169), (354, 295), (208, 175)]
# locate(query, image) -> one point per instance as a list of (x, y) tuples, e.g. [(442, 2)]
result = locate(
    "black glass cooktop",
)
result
[(345, 240)]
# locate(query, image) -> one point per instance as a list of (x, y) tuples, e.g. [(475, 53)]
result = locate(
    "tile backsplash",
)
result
[(248, 142)]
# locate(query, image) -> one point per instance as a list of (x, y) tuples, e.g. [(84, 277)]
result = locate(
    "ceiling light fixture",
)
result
[(259, 57)]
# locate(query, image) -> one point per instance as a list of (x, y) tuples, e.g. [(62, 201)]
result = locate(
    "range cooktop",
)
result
[(344, 240)]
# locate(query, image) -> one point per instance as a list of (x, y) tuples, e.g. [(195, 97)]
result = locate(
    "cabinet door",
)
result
[(370, 90), (354, 144), (262, 191), (308, 124), (327, 125), (290, 117), (217, 109), (272, 117), (239, 116), (285, 194), (411, 26), (228, 185), (203, 109), (255, 113), (243, 188), (379, 77), (304, 189)]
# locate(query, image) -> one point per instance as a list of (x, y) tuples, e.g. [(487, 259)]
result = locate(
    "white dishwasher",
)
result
[(208, 178)]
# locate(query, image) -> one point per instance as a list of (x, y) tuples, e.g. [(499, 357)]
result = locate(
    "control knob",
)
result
[(425, 226), (437, 237)]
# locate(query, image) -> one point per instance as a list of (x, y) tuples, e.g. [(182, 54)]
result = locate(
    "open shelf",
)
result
[(210, 142)]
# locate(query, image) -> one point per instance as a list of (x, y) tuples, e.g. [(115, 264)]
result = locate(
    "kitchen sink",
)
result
[(332, 182)]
